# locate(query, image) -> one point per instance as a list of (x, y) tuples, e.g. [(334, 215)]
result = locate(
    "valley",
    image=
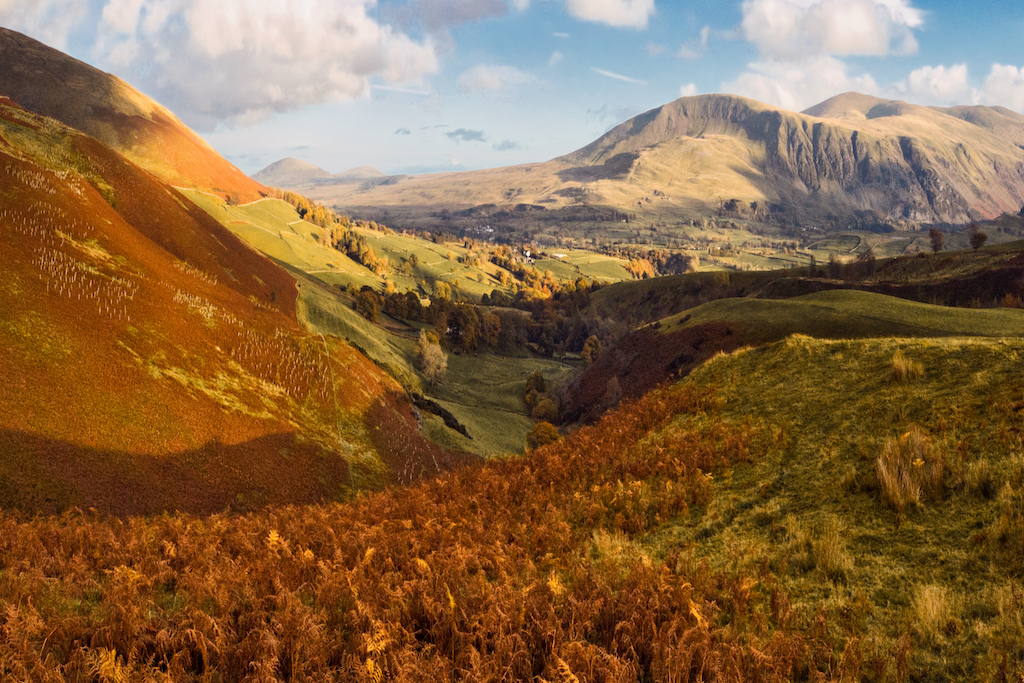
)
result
[(732, 393)]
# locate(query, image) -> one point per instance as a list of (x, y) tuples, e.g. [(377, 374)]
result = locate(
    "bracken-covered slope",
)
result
[(106, 108), (851, 153), (152, 361)]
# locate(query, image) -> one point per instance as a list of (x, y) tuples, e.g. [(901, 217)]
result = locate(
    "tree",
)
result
[(542, 434), (937, 238), (368, 305), (977, 237), (430, 357), (442, 290), (591, 349), (834, 267)]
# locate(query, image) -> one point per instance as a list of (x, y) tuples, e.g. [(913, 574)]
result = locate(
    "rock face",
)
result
[(51, 83), (852, 151)]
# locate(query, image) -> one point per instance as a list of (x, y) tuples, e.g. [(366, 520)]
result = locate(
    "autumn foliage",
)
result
[(521, 569)]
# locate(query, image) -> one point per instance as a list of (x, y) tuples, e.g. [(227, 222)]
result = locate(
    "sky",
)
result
[(421, 86)]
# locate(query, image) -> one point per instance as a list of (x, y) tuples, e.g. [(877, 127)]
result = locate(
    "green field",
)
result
[(483, 391), (273, 227), (838, 314)]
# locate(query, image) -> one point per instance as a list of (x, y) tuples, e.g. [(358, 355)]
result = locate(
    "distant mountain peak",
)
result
[(292, 173)]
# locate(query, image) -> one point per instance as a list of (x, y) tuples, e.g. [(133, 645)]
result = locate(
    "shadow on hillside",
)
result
[(39, 475), (639, 362), (616, 168)]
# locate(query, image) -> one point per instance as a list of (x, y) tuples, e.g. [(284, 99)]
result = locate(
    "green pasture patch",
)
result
[(838, 314)]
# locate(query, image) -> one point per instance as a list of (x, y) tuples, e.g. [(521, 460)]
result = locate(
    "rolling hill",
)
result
[(51, 83), (852, 159), (154, 361)]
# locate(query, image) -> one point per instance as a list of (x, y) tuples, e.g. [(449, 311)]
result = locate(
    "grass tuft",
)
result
[(905, 369), (909, 468), (933, 613)]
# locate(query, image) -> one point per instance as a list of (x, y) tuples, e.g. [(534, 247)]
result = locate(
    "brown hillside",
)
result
[(103, 106), (152, 360), (853, 153)]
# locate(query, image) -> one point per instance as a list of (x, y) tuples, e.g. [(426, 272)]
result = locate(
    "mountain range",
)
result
[(852, 155)]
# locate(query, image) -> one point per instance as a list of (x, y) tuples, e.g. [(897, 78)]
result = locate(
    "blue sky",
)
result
[(411, 86)]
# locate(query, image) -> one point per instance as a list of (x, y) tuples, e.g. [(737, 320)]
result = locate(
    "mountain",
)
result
[(295, 174), (846, 156), (153, 360), (51, 83)]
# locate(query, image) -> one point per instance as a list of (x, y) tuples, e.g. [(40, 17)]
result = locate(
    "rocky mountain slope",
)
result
[(853, 153)]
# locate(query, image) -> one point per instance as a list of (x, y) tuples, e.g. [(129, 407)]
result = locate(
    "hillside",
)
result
[(849, 159), (106, 108), (155, 362), (745, 525)]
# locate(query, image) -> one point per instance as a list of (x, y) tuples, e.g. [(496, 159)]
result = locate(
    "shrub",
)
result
[(905, 369), (542, 434), (909, 468), (430, 357)]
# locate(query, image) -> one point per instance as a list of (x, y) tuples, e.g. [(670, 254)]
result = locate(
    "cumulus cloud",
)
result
[(215, 61), (796, 86), (506, 146), (464, 135), (622, 13), (489, 78), (1004, 86), (688, 90), (796, 29), (937, 85), (48, 21), (555, 58), (618, 77)]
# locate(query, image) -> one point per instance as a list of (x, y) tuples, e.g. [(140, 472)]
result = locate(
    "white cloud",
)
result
[(798, 86), (48, 21), (622, 13), (655, 49), (937, 85), (798, 29), (695, 49), (617, 77), (237, 61), (438, 15), (1004, 86), (487, 78), (555, 58), (688, 90)]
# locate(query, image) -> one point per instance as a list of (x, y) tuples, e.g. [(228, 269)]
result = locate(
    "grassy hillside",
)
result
[(822, 514), (154, 362), (839, 314)]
